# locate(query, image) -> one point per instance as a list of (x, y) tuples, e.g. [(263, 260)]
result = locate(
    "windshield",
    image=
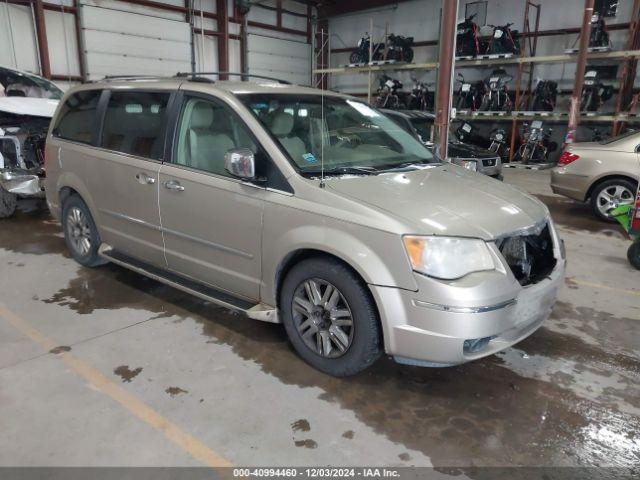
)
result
[(423, 127), (351, 136), (21, 84)]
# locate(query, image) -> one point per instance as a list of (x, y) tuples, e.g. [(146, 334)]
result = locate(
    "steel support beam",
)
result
[(585, 34), (41, 36), (445, 74), (223, 38)]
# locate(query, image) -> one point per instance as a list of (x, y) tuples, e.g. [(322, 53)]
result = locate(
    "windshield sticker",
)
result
[(309, 158)]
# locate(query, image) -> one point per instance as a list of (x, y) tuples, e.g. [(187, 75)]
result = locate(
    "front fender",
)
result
[(378, 257)]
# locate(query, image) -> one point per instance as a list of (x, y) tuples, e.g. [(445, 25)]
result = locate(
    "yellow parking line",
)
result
[(604, 287), (135, 406)]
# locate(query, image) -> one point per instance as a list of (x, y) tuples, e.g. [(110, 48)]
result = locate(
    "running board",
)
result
[(260, 311)]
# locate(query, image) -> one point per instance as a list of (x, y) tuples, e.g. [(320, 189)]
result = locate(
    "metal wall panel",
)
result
[(280, 58), (117, 42)]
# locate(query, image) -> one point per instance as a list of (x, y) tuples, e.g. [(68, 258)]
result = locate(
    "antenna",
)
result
[(322, 125)]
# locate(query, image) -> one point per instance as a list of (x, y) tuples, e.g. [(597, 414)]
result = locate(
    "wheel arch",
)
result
[(605, 178)]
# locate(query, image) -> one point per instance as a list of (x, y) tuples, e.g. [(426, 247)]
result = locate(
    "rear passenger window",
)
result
[(77, 119), (133, 123)]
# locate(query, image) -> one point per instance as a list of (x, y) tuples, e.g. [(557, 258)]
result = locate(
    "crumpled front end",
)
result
[(22, 140)]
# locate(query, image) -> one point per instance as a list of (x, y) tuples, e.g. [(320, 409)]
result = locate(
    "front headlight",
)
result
[(468, 164), (448, 258)]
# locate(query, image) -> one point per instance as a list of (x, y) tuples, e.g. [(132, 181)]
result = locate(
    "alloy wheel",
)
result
[(79, 231), (323, 318), (612, 197)]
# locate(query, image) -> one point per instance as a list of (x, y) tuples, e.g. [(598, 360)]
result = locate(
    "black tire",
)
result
[(633, 254), (365, 344), (408, 55), (355, 58), (607, 184), (72, 231), (8, 203)]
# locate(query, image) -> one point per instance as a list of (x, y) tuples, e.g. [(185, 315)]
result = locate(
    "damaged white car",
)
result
[(27, 103)]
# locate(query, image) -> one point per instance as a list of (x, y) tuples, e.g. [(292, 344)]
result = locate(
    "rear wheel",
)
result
[(330, 317), (8, 203), (609, 195), (80, 233)]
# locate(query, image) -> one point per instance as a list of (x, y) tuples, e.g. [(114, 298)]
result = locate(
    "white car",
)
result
[(27, 103)]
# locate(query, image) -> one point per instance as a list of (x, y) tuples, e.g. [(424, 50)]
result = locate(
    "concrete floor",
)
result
[(145, 375)]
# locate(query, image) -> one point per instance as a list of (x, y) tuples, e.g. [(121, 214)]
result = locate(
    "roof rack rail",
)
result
[(194, 75), (130, 77)]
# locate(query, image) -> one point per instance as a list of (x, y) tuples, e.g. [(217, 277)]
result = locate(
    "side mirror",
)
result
[(240, 163)]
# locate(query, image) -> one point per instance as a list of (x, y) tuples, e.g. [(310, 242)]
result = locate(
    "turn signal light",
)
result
[(566, 158)]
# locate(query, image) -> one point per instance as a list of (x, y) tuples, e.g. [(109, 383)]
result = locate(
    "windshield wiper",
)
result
[(344, 170)]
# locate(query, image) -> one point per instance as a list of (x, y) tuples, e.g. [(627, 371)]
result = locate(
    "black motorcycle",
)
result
[(594, 92), (467, 42), (536, 144), (361, 53), (544, 96), (498, 145), (421, 98), (496, 94), (469, 94), (389, 93), (599, 34), (468, 133), (504, 40), (398, 48)]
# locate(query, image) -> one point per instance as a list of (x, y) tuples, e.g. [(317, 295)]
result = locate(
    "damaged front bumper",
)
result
[(23, 183)]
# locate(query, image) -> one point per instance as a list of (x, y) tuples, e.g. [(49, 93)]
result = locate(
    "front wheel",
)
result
[(356, 57), (330, 317), (633, 254), (80, 232), (8, 203)]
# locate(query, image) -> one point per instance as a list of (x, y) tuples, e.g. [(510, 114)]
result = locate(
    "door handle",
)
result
[(144, 178), (173, 185)]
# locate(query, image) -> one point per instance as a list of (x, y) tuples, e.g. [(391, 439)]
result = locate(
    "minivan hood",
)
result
[(445, 200)]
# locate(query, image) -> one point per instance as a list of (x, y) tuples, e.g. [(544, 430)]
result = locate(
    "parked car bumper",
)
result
[(23, 184), (569, 184), (422, 333)]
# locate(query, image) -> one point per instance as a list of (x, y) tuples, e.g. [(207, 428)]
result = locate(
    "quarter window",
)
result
[(133, 123), (77, 119), (207, 131)]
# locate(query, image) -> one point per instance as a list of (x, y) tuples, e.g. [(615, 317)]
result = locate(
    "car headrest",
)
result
[(282, 124), (202, 116)]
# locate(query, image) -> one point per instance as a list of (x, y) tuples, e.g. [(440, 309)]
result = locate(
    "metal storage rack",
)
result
[(528, 57)]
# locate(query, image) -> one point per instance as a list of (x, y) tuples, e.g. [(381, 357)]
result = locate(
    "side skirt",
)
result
[(260, 311)]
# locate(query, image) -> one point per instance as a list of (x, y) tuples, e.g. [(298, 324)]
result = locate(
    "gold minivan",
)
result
[(304, 207)]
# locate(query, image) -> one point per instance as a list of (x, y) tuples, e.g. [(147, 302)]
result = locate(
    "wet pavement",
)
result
[(569, 395)]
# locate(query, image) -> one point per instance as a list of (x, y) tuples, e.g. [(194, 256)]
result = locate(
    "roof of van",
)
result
[(231, 86)]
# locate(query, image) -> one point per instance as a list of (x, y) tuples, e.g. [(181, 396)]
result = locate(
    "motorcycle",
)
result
[(469, 95), (421, 98), (361, 53), (389, 93), (544, 96), (467, 133), (498, 145), (599, 34), (496, 95), (504, 40), (536, 145), (399, 48), (594, 92), (467, 42)]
